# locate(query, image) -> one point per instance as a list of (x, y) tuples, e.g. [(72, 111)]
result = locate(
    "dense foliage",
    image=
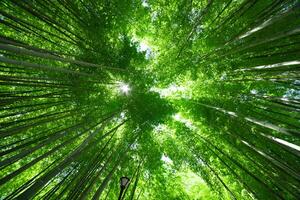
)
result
[(189, 99)]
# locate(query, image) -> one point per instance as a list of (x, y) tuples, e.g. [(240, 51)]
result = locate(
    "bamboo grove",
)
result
[(189, 99)]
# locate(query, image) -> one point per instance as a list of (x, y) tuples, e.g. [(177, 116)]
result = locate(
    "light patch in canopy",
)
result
[(172, 91), (144, 47), (180, 90), (188, 123), (124, 88), (145, 4), (166, 159)]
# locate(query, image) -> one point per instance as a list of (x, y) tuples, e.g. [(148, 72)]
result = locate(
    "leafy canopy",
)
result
[(189, 99)]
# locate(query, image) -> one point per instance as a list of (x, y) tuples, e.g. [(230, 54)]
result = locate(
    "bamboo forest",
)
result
[(150, 99)]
